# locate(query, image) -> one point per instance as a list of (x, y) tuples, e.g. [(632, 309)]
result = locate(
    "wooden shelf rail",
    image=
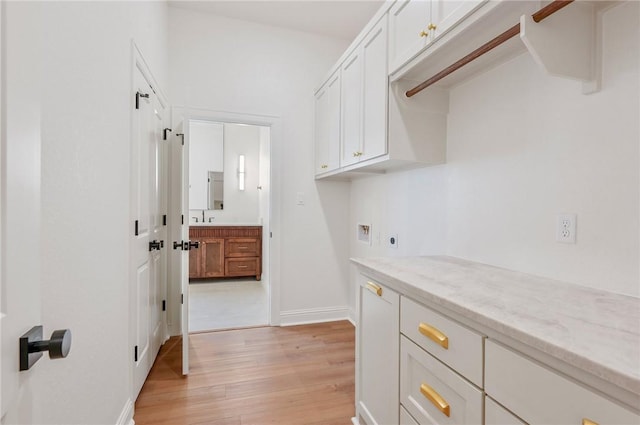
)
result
[(541, 14)]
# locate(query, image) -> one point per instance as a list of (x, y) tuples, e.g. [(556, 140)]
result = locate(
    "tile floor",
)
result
[(226, 304)]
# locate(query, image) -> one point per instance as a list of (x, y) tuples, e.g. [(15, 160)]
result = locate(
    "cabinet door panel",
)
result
[(494, 414), (407, 18), (351, 108), (375, 78), (445, 14), (333, 118), (212, 257), (194, 262), (322, 130), (377, 359)]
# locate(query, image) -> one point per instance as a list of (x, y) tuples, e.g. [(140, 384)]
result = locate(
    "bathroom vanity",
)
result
[(225, 251)]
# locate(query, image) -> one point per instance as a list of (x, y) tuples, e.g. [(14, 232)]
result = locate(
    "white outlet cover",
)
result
[(566, 228)]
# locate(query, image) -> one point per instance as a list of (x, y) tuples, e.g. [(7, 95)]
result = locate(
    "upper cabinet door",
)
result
[(351, 108), (375, 82), (327, 125), (408, 30), (445, 14)]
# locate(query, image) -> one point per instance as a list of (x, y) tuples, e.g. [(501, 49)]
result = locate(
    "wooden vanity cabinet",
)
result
[(226, 251)]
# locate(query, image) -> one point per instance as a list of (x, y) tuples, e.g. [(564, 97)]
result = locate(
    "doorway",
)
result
[(228, 190)]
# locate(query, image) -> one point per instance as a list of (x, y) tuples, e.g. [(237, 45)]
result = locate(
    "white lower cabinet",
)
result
[(494, 414), (405, 418), (377, 339), (542, 397), (434, 394)]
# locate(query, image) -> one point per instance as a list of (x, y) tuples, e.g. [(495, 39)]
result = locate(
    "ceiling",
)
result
[(340, 19)]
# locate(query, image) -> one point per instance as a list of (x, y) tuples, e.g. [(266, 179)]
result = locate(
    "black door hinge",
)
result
[(136, 229), (138, 96), (164, 137), (164, 305), (135, 353), (164, 220), (182, 218), (270, 234), (181, 298), (181, 135)]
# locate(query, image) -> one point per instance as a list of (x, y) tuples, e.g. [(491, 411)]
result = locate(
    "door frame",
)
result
[(184, 114)]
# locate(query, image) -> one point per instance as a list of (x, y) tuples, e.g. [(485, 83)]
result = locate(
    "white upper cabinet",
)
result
[(416, 23), (351, 108), (375, 78), (364, 98), (327, 125)]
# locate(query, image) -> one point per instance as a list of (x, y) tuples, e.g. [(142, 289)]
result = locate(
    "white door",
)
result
[(184, 261), (146, 228), (20, 225)]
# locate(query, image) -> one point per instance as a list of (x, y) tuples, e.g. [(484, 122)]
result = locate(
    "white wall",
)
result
[(229, 65), (84, 51), (523, 147)]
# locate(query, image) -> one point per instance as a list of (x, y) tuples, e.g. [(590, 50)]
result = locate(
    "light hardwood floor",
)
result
[(289, 376)]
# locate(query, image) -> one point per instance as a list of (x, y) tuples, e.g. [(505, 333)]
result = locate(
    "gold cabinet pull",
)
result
[(424, 33), (436, 399), (434, 334), (431, 26), (586, 421), (324, 166), (376, 289)]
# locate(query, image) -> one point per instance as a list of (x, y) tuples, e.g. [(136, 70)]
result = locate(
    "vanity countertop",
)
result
[(216, 224), (593, 330)]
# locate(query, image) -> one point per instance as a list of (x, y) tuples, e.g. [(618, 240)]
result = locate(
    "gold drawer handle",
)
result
[(434, 334), (436, 399), (242, 267), (242, 247), (586, 421), (376, 289)]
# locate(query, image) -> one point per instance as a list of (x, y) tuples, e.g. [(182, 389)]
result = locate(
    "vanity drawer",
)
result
[(434, 394), (405, 418), (241, 266), (450, 342), (241, 247), (540, 396)]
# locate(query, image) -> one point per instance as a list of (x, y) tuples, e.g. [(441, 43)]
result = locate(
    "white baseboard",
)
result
[(126, 416), (313, 315)]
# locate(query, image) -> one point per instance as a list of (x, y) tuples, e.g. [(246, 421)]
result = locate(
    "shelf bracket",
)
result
[(568, 44)]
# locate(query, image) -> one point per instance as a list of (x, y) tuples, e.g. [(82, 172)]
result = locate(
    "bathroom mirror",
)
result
[(206, 165)]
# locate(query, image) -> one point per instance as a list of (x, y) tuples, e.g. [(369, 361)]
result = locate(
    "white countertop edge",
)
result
[(619, 377)]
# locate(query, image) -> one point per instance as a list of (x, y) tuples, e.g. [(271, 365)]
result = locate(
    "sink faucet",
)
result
[(211, 219), (203, 216), (195, 218)]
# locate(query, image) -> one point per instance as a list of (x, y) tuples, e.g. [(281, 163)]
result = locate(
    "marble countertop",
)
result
[(595, 331), (221, 224)]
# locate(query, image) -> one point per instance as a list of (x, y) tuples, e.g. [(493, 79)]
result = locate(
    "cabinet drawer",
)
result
[(241, 247), (494, 414), (241, 266), (450, 342), (540, 396), (405, 418), (434, 394)]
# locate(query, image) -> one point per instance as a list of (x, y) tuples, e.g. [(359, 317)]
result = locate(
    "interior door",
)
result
[(20, 218), (147, 229), (184, 261)]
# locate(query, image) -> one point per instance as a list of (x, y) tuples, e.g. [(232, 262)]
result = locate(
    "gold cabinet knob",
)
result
[(424, 33), (357, 153), (324, 166), (431, 26)]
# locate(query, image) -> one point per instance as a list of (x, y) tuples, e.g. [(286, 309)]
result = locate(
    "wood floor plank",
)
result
[(302, 375)]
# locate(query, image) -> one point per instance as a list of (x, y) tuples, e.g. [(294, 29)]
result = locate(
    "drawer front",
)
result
[(241, 247), (405, 418), (450, 342), (434, 394), (494, 414), (540, 396), (241, 266)]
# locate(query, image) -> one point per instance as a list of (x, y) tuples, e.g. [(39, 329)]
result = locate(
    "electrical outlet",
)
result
[(566, 228), (393, 240)]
